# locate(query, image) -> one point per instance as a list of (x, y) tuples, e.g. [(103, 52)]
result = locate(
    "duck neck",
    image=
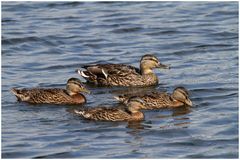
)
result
[(136, 114), (79, 98), (69, 91)]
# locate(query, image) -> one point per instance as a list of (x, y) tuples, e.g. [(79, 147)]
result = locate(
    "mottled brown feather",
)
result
[(157, 100), (121, 74), (49, 96), (129, 113)]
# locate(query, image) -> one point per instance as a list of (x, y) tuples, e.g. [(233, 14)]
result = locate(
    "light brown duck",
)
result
[(157, 100), (70, 95), (130, 113), (123, 75)]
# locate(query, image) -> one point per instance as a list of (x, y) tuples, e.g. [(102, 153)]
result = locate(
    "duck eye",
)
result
[(77, 83), (155, 60)]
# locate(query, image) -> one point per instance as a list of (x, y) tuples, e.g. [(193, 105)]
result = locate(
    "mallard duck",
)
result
[(70, 95), (123, 75), (131, 112), (157, 100)]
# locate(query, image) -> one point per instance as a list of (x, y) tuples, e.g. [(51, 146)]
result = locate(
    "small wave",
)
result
[(54, 5), (222, 13), (8, 20), (213, 89), (20, 40), (225, 34), (127, 30), (76, 65), (213, 45), (122, 19), (55, 155), (162, 32)]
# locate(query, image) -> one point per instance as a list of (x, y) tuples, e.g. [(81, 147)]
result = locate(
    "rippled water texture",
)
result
[(43, 43)]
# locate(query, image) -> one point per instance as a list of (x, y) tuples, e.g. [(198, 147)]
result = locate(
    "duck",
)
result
[(70, 95), (122, 74), (158, 100), (130, 112)]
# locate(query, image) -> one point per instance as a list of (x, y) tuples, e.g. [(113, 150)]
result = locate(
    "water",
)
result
[(44, 42)]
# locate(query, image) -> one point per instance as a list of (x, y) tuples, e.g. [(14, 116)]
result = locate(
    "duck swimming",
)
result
[(70, 95), (123, 75), (157, 100), (131, 112)]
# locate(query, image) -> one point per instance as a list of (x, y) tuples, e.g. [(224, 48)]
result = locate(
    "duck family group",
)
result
[(111, 75)]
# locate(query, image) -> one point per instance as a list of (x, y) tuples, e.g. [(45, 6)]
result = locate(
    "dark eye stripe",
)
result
[(152, 59), (77, 83), (139, 102), (184, 93), (155, 60)]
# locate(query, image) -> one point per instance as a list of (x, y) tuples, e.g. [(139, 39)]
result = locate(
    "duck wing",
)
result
[(124, 97), (40, 95), (53, 95), (111, 69), (104, 113), (156, 100)]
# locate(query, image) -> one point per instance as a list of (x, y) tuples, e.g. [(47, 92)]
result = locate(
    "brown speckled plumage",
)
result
[(130, 113), (71, 95), (157, 100), (123, 75)]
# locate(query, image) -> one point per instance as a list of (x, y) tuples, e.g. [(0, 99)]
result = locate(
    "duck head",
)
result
[(149, 62), (181, 94), (75, 86)]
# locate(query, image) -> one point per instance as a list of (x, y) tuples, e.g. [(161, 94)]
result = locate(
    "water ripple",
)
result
[(43, 43)]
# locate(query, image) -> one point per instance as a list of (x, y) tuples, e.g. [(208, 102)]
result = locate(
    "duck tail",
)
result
[(18, 94), (121, 98), (15, 91), (87, 75), (78, 112), (82, 113)]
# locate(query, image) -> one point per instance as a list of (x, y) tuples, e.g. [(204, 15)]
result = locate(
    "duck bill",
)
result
[(164, 66), (85, 90), (189, 102)]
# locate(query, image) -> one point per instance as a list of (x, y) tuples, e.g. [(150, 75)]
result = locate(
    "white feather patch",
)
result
[(116, 97), (87, 115), (82, 73), (105, 74), (79, 112)]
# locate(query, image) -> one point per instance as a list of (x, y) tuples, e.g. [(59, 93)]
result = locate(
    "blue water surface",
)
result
[(43, 43)]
